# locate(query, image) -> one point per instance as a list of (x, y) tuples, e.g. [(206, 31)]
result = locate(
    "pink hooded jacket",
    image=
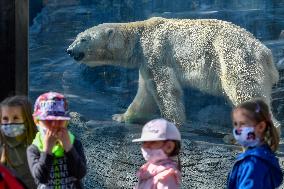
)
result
[(163, 174)]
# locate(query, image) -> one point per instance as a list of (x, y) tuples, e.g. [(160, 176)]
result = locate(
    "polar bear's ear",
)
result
[(110, 32)]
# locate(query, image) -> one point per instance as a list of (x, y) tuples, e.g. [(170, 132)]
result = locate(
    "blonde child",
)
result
[(257, 167), (56, 158), (17, 132), (160, 147)]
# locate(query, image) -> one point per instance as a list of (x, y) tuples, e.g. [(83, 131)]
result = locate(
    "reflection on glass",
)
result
[(95, 94)]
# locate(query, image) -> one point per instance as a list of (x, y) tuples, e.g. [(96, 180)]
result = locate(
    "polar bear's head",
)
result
[(105, 44)]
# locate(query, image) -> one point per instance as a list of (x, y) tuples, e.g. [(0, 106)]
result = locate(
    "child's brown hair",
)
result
[(259, 111), (26, 108), (176, 152)]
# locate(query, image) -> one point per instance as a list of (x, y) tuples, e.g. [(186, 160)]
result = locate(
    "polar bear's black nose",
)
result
[(69, 52), (77, 56)]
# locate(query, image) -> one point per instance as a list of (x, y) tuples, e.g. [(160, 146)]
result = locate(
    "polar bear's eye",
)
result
[(83, 40)]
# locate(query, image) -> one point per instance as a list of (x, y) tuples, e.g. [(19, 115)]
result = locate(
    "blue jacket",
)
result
[(256, 168)]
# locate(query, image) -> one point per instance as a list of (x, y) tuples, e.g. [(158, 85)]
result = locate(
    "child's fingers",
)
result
[(48, 133), (53, 129), (59, 134), (51, 133), (64, 130), (65, 134)]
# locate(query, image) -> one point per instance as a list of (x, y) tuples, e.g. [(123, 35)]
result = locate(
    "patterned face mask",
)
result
[(246, 137), (13, 129)]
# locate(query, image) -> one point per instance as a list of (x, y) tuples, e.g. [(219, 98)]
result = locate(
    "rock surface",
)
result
[(95, 94)]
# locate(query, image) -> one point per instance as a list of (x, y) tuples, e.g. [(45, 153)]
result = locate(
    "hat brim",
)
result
[(53, 118), (147, 140), (137, 140)]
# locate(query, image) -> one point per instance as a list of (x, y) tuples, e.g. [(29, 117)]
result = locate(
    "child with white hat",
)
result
[(160, 145)]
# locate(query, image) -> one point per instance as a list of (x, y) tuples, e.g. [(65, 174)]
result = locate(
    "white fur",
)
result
[(213, 56)]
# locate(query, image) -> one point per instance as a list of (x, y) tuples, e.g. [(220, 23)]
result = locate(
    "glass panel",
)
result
[(95, 94)]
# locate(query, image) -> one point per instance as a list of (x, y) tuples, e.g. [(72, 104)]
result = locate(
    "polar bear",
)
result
[(210, 55)]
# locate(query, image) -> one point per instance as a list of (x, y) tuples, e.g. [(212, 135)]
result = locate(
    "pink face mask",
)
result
[(153, 155)]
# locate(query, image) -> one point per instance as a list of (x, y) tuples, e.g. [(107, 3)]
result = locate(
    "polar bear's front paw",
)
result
[(118, 117)]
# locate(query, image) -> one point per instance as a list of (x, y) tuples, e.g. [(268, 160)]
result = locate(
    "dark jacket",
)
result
[(18, 157), (256, 168), (64, 172)]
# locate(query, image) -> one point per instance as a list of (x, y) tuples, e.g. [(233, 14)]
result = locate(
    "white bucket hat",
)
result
[(157, 130)]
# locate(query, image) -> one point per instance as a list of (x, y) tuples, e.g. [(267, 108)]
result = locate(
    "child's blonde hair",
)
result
[(26, 107), (259, 111)]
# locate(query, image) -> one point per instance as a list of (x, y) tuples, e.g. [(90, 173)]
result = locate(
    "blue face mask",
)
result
[(13, 129), (246, 137)]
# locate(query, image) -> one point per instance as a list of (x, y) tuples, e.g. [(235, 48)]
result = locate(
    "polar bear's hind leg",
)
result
[(244, 74)]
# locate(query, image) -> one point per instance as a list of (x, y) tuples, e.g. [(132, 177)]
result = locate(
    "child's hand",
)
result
[(49, 141), (63, 136)]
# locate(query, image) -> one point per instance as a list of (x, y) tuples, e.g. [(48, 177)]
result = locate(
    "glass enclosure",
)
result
[(95, 94)]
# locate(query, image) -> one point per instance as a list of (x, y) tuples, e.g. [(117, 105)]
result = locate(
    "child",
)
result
[(161, 144), (257, 167), (56, 158), (17, 132)]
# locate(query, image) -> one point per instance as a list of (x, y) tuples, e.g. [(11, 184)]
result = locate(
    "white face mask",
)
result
[(13, 129), (246, 137), (42, 130), (153, 155)]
